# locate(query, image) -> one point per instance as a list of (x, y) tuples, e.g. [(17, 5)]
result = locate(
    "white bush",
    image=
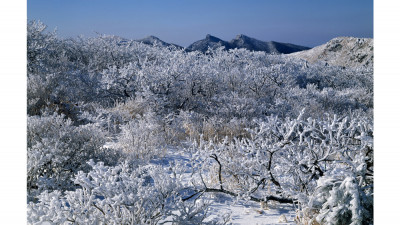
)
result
[(57, 149), (142, 138), (340, 200), (288, 160), (119, 195)]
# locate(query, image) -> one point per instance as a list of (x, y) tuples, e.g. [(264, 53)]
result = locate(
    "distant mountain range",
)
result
[(241, 41), (341, 51)]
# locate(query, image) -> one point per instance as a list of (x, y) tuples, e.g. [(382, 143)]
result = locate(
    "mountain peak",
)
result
[(152, 37), (153, 40), (241, 36), (209, 42), (209, 37)]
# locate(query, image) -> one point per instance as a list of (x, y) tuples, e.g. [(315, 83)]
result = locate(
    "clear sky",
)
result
[(303, 22)]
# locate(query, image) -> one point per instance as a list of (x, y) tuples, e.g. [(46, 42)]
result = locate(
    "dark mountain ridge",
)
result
[(152, 40), (240, 41), (209, 41), (243, 41)]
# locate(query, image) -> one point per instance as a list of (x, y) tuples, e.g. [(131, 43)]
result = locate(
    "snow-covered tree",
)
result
[(119, 195), (57, 150)]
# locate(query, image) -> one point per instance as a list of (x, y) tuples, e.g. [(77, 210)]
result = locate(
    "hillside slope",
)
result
[(209, 41), (152, 40), (341, 51), (252, 44)]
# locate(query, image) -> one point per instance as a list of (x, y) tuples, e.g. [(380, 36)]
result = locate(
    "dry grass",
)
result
[(130, 109), (307, 217)]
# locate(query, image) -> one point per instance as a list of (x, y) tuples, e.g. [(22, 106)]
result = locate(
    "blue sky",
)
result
[(304, 22)]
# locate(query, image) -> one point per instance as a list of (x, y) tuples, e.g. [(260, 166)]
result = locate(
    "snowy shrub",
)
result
[(119, 195), (57, 150), (345, 194), (216, 128), (233, 105), (284, 160), (143, 102), (41, 48), (340, 200), (195, 126), (47, 68), (39, 92), (142, 138)]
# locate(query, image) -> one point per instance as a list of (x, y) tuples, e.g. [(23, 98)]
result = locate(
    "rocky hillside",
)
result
[(209, 41), (252, 44), (152, 40), (341, 51)]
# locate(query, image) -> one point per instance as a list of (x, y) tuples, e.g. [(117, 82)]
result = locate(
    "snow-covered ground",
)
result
[(239, 211), (251, 213)]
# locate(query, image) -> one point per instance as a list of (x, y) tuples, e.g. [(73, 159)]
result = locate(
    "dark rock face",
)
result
[(252, 44), (209, 41), (286, 48)]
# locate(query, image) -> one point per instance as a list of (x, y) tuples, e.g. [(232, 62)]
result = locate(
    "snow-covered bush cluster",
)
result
[(106, 114), (119, 195), (324, 165), (56, 150)]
